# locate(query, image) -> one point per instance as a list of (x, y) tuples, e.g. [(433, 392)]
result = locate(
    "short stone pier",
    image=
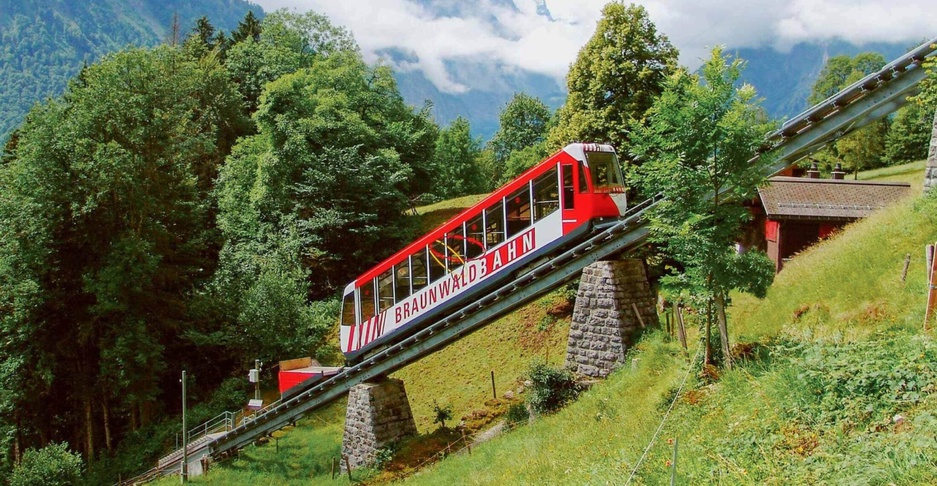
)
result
[(604, 319), (378, 414)]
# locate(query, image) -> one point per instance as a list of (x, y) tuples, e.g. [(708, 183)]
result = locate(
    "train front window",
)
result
[(367, 300), (606, 173), (546, 195), (518, 210), (348, 309)]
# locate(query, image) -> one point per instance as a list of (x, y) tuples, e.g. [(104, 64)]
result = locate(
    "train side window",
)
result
[(437, 260), (367, 300), (546, 195), (568, 190), (418, 266), (385, 290), (518, 211), (474, 237), (348, 309), (402, 280), (494, 225), (583, 186), (455, 247)]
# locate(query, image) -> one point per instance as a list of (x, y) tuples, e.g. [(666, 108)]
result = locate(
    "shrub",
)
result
[(441, 414), (517, 414), (551, 387), (52, 465), (382, 457)]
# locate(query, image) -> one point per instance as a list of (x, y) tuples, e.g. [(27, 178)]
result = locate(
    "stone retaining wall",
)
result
[(378, 414), (604, 321)]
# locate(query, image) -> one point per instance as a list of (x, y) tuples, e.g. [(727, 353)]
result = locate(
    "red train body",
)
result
[(541, 210)]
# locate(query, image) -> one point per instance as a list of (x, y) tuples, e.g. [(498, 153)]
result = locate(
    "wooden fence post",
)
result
[(681, 330), (494, 392)]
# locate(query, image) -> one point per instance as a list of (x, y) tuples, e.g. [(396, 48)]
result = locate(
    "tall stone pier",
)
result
[(604, 318), (930, 173), (378, 414)]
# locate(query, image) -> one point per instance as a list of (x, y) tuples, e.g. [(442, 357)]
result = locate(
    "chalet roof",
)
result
[(827, 199)]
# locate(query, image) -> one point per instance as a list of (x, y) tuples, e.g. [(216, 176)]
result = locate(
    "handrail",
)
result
[(224, 420)]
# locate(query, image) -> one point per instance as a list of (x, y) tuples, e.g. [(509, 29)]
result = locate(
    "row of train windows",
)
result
[(491, 227)]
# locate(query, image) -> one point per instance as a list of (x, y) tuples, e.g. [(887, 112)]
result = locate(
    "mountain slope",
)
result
[(784, 79), (44, 44)]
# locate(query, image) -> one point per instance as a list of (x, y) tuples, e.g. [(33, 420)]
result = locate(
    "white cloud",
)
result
[(521, 39)]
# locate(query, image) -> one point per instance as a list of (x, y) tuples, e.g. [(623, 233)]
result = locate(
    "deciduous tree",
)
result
[(864, 148), (616, 77), (701, 134), (524, 123), (457, 160)]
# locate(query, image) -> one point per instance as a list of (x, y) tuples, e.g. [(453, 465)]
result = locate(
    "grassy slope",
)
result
[(776, 418), (836, 320), (458, 375)]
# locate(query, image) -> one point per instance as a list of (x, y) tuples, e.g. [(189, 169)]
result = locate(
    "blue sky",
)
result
[(519, 38)]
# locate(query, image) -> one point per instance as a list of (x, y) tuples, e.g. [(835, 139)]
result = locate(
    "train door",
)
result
[(568, 199)]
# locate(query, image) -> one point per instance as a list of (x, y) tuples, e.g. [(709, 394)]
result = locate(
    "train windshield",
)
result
[(606, 173)]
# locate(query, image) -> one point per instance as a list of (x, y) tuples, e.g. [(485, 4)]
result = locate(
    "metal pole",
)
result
[(257, 383), (185, 439)]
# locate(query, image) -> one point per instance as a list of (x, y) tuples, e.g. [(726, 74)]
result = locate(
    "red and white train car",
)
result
[(546, 207)]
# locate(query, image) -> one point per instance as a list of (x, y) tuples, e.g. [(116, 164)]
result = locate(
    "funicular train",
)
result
[(545, 208)]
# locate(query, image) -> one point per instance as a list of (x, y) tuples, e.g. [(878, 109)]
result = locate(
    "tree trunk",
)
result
[(134, 417), (89, 426), (723, 328), (107, 425), (17, 447), (707, 358)]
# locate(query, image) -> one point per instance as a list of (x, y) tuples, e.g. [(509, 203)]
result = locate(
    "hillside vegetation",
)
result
[(835, 383)]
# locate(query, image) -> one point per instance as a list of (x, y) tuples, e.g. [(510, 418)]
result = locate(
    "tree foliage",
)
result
[(524, 123), (909, 134), (457, 161), (283, 43), (326, 180), (615, 79), (864, 148), (105, 236), (700, 136), (53, 465)]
